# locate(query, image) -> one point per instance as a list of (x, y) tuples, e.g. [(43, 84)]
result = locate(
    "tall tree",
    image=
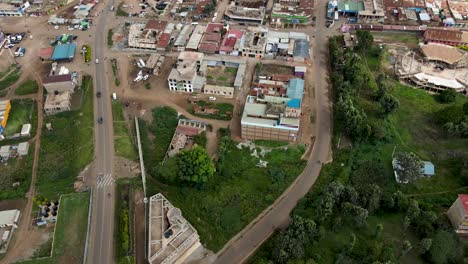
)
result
[(195, 165), (389, 103), (365, 40), (444, 247), (448, 96), (408, 166)]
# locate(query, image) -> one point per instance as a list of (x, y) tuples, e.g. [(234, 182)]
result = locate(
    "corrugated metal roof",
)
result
[(294, 103), (301, 48), (64, 52), (295, 88)]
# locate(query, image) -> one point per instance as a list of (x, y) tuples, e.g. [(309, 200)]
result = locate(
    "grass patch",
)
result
[(148, 86), (22, 112), (115, 69), (10, 79), (117, 82), (87, 55), (45, 250), (110, 41), (124, 223), (28, 87), (224, 110), (120, 11), (270, 143), (70, 230), (238, 192), (68, 148), (16, 170), (6, 71), (123, 143), (407, 38)]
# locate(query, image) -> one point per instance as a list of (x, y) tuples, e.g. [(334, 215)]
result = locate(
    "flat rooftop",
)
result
[(170, 234)]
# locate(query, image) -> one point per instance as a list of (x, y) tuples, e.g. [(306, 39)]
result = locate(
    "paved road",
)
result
[(243, 246), (101, 245)]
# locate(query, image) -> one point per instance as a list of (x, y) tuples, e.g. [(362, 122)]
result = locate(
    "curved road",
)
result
[(243, 245), (101, 236)]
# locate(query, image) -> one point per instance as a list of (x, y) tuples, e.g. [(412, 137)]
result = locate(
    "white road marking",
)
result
[(106, 180)]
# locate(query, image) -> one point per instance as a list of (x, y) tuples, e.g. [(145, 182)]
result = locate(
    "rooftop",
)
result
[(441, 52), (170, 234), (240, 12), (301, 48), (9, 217), (464, 200), (64, 52), (156, 25), (58, 78), (230, 39), (295, 88), (60, 100)]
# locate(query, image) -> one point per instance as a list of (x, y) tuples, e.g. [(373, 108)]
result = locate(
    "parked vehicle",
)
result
[(20, 51), (114, 96), (100, 120), (212, 98)]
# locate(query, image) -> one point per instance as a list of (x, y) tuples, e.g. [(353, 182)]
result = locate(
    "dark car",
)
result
[(100, 120), (98, 94)]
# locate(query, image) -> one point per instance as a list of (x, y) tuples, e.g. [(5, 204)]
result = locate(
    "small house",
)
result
[(458, 214), (5, 151), (428, 169), (26, 130), (300, 71), (23, 148)]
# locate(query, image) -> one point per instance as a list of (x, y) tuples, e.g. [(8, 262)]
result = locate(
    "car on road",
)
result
[(212, 98), (100, 120), (9, 46), (98, 94), (97, 61)]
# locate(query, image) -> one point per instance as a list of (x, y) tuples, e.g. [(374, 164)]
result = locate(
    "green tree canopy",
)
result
[(389, 103), (448, 96), (365, 40), (195, 165), (408, 166)]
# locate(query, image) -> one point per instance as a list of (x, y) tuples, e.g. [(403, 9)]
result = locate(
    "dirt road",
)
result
[(244, 244)]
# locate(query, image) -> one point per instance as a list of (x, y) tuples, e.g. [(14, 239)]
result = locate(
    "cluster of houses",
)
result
[(434, 13), (215, 38)]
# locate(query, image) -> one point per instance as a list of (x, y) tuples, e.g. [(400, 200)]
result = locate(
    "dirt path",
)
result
[(26, 236), (139, 228)]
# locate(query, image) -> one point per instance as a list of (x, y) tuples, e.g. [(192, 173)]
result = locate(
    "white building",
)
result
[(185, 76), (9, 218), (171, 237)]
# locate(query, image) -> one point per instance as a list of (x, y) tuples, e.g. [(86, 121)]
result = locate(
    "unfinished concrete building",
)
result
[(171, 238), (185, 77)]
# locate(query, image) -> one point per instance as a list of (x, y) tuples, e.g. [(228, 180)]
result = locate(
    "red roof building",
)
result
[(156, 25), (458, 214), (46, 53), (229, 42), (211, 38), (163, 42)]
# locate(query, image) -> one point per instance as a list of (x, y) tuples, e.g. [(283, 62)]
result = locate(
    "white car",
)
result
[(212, 98), (70, 29), (56, 27), (97, 61)]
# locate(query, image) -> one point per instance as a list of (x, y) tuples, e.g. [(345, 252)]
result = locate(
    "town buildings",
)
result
[(150, 36), (183, 136), (458, 214), (211, 38), (60, 88), (185, 76), (445, 36)]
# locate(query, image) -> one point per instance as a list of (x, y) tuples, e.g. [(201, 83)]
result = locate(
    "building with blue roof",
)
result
[(295, 88), (294, 103), (428, 169), (64, 52)]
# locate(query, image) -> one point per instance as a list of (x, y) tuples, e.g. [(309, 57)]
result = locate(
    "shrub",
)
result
[(447, 96)]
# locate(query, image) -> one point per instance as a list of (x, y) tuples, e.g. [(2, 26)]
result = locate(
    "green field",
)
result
[(28, 87), (225, 110), (407, 213), (10, 78), (124, 223), (22, 112), (68, 148), (270, 143), (238, 192), (70, 231), (123, 142), (16, 170)]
